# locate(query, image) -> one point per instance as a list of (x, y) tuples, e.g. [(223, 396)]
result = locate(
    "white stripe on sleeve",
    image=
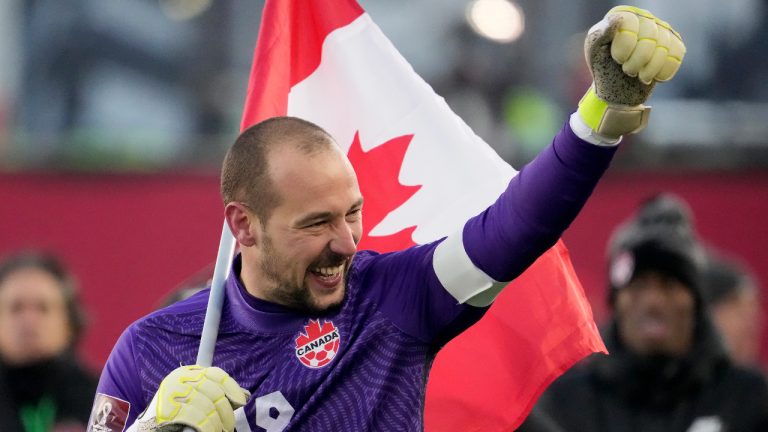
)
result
[(460, 277)]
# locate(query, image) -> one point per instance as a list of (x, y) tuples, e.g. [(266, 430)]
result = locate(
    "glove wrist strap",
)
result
[(612, 120)]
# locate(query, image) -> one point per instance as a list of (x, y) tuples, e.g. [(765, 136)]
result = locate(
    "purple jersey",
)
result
[(364, 366)]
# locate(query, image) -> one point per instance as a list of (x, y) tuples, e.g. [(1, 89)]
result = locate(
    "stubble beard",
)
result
[(289, 293)]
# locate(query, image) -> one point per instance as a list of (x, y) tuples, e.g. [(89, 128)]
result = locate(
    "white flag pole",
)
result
[(216, 298), (215, 301)]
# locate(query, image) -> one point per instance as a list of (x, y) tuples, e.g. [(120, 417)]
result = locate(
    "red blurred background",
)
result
[(132, 239)]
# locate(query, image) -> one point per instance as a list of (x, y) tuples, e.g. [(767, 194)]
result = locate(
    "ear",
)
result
[(242, 223)]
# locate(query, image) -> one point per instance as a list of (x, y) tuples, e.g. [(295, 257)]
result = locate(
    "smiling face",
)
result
[(301, 255), (656, 315)]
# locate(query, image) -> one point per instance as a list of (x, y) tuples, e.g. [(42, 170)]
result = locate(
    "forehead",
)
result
[(661, 281), (317, 181), (30, 283)]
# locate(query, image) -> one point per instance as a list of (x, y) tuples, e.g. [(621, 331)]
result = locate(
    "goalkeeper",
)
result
[(312, 339)]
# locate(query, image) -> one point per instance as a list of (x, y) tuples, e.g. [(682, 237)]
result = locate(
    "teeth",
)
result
[(329, 271)]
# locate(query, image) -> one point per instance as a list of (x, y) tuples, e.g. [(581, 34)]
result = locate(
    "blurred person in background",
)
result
[(667, 369), (43, 387), (199, 281), (733, 296)]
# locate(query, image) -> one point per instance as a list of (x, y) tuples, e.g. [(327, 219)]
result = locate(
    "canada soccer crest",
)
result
[(319, 345)]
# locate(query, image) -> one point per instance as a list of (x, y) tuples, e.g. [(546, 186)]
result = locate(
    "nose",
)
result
[(344, 241), (29, 314)]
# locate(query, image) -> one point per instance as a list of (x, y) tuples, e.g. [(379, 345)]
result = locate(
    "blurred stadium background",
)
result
[(115, 115)]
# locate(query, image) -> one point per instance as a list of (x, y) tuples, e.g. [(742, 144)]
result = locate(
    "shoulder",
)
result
[(404, 268), (578, 377), (134, 368), (572, 400), (416, 256), (575, 386), (73, 375), (363, 261), (741, 396), (81, 373), (750, 381)]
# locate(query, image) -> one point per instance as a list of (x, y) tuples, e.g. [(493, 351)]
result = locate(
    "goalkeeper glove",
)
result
[(628, 52), (197, 397)]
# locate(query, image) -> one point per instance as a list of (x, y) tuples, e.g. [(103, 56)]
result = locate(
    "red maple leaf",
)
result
[(313, 331), (377, 173)]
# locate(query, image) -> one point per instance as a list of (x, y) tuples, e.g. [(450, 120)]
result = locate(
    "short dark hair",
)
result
[(49, 263), (245, 171)]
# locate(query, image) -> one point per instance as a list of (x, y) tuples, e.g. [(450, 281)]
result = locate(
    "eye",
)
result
[(315, 224), (354, 214)]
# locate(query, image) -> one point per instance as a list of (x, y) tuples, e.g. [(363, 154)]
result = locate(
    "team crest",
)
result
[(319, 345)]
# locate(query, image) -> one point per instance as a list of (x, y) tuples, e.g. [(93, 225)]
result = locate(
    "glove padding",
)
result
[(197, 397), (627, 53)]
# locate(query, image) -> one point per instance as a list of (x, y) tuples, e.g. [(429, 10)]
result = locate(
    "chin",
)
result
[(329, 303), (657, 348), (333, 301)]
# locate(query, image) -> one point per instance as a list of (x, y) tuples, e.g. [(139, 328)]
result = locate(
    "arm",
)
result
[(527, 219), (471, 267), (119, 395), (627, 52), (537, 206), (202, 399)]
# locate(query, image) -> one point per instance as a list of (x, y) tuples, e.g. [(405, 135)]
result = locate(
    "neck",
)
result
[(251, 276)]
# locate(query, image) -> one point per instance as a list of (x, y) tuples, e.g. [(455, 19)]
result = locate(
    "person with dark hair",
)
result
[(42, 385), (667, 370), (733, 296)]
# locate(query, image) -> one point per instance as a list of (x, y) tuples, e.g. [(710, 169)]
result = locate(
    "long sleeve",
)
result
[(537, 206)]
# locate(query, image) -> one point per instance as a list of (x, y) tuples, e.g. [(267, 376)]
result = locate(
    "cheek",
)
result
[(58, 329), (685, 305), (622, 312), (357, 230), (623, 304), (307, 251), (6, 330)]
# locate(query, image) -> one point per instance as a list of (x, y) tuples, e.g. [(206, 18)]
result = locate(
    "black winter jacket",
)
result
[(703, 392), (54, 394)]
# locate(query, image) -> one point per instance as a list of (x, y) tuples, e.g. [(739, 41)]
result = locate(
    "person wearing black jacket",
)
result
[(42, 385), (667, 369)]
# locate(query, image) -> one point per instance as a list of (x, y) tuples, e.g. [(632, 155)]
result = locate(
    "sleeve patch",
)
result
[(109, 414)]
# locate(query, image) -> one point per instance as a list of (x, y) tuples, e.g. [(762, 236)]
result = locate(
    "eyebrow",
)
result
[(313, 217)]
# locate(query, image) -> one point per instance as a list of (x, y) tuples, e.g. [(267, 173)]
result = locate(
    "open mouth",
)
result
[(328, 277)]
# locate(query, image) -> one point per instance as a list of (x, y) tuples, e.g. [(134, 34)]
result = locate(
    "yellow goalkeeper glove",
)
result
[(627, 53), (197, 397)]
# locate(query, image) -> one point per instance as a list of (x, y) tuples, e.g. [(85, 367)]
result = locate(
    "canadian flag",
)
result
[(423, 173)]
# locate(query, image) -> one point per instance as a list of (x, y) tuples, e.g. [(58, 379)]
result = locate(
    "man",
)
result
[(667, 370), (733, 296), (42, 386), (323, 337)]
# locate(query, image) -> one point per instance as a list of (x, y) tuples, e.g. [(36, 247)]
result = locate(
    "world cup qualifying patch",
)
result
[(319, 345)]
